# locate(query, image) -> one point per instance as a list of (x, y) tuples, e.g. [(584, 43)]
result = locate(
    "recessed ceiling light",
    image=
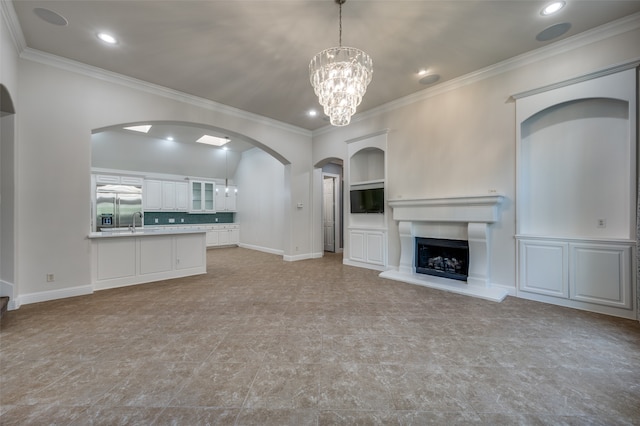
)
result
[(213, 140), (144, 128), (552, 8), (422, 72), (312, 113), (169, 138), (107, 38), (50, 16)]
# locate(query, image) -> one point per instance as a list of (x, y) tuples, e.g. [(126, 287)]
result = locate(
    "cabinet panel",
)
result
[(190, 251), (116, 259), (357, 246), (152, 194), (213, 237), (182, 196), (156, 254), (601, 274), (234, 235), (375, 248), (544, 267), (168, 195)]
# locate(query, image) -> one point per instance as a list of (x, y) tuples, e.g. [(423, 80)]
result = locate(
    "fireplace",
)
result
[(456, 218), (442, 258)]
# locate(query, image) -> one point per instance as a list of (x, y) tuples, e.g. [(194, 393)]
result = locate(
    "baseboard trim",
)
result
[(380, 268), (262, 249), (45, 296)]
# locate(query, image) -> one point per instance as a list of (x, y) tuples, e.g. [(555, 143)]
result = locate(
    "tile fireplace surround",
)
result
[(461, 218)]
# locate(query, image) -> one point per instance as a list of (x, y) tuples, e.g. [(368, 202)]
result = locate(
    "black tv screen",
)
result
[(367, 200)]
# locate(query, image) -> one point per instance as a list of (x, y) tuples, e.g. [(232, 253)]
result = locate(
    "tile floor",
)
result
[(260, 341)]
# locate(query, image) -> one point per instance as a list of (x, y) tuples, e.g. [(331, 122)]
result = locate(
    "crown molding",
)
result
[(15, 30), (611, 29), (136, 84)]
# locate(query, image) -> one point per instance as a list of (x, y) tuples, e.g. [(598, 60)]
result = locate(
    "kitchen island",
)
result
[(123, 257)]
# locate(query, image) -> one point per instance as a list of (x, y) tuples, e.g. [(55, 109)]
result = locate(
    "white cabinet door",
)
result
[(226, 198), (202, 197), (190, 251), (601, 274), (152, 194), (234, 235), (223, 236), (544, 267), (168, 195), (212, 237), (375, 248), (357, 248), (182, 196)]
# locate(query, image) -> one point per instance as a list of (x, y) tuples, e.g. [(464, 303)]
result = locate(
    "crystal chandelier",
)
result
[(340, 76)]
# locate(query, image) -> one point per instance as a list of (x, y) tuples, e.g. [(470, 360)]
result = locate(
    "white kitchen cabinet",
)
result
[(119, 180), (202, 196), (164, 195), (223, 235), (168, 195), (152, 195), (182, 196), (226, 198)]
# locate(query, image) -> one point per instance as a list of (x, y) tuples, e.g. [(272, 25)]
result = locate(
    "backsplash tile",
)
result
[(189, 219)]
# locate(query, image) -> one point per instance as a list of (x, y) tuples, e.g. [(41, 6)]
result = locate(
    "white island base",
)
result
[(124, 259)]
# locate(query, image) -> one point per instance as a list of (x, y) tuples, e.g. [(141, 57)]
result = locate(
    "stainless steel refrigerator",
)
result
[(117, 205)]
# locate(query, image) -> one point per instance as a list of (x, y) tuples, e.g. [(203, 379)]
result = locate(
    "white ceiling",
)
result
[(254, 55)]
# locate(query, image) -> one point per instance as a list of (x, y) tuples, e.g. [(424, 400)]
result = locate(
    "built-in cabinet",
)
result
[(226, 198), (202, 196), (366, 240), (576, 199), (118, 180), (583, 271), (129, 260), (223, 235), (367, 246), (161, 195)]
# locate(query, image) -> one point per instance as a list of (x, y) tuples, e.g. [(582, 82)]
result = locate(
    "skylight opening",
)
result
[(144, 128), (213, 140)]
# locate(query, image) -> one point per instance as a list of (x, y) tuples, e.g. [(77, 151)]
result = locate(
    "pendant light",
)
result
[(340, 76)]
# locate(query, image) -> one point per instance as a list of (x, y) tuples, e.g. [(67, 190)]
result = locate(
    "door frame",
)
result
[(336, 210)]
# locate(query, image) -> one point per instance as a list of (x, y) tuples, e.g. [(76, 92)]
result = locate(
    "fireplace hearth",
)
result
[(442, 258)]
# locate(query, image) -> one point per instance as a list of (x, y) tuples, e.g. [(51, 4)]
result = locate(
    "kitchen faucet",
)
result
[(133, 227)]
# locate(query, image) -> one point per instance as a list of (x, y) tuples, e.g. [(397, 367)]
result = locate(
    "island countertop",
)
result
[(148, 231)]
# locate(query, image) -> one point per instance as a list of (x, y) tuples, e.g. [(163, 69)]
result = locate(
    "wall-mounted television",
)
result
[(367, 200)]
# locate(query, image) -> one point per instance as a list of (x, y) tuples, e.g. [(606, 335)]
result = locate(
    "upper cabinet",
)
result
[(226, 198), (202, 196), (162, 195), (119, 180)]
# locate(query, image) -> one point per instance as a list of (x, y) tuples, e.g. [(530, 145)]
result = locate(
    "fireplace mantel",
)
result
[(479, 208), (477, 212)]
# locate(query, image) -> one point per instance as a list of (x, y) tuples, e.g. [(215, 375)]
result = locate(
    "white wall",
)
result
[(8, 219), (261, 201), (59, 109), (125, 151), (459, 139)]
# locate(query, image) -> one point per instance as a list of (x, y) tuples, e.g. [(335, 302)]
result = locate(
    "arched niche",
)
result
[(577, 191), (575, 168)]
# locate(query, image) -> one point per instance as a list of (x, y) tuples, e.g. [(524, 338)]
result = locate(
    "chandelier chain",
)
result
[(340, 36)]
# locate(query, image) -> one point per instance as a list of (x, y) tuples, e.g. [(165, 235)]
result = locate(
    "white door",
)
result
[(328, 215)]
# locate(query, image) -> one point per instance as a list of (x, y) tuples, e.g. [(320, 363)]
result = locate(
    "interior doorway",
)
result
[(330, 211)]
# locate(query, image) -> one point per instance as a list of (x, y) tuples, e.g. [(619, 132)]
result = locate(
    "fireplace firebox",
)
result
[(442, 258)]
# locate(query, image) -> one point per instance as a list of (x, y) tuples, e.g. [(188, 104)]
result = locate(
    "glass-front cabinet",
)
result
[(202, 197)]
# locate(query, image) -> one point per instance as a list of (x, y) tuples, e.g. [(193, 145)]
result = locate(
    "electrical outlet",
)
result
[(216, 219), (172, 220), (155, 220), (181, 220), (602, 223), (50, 278)]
